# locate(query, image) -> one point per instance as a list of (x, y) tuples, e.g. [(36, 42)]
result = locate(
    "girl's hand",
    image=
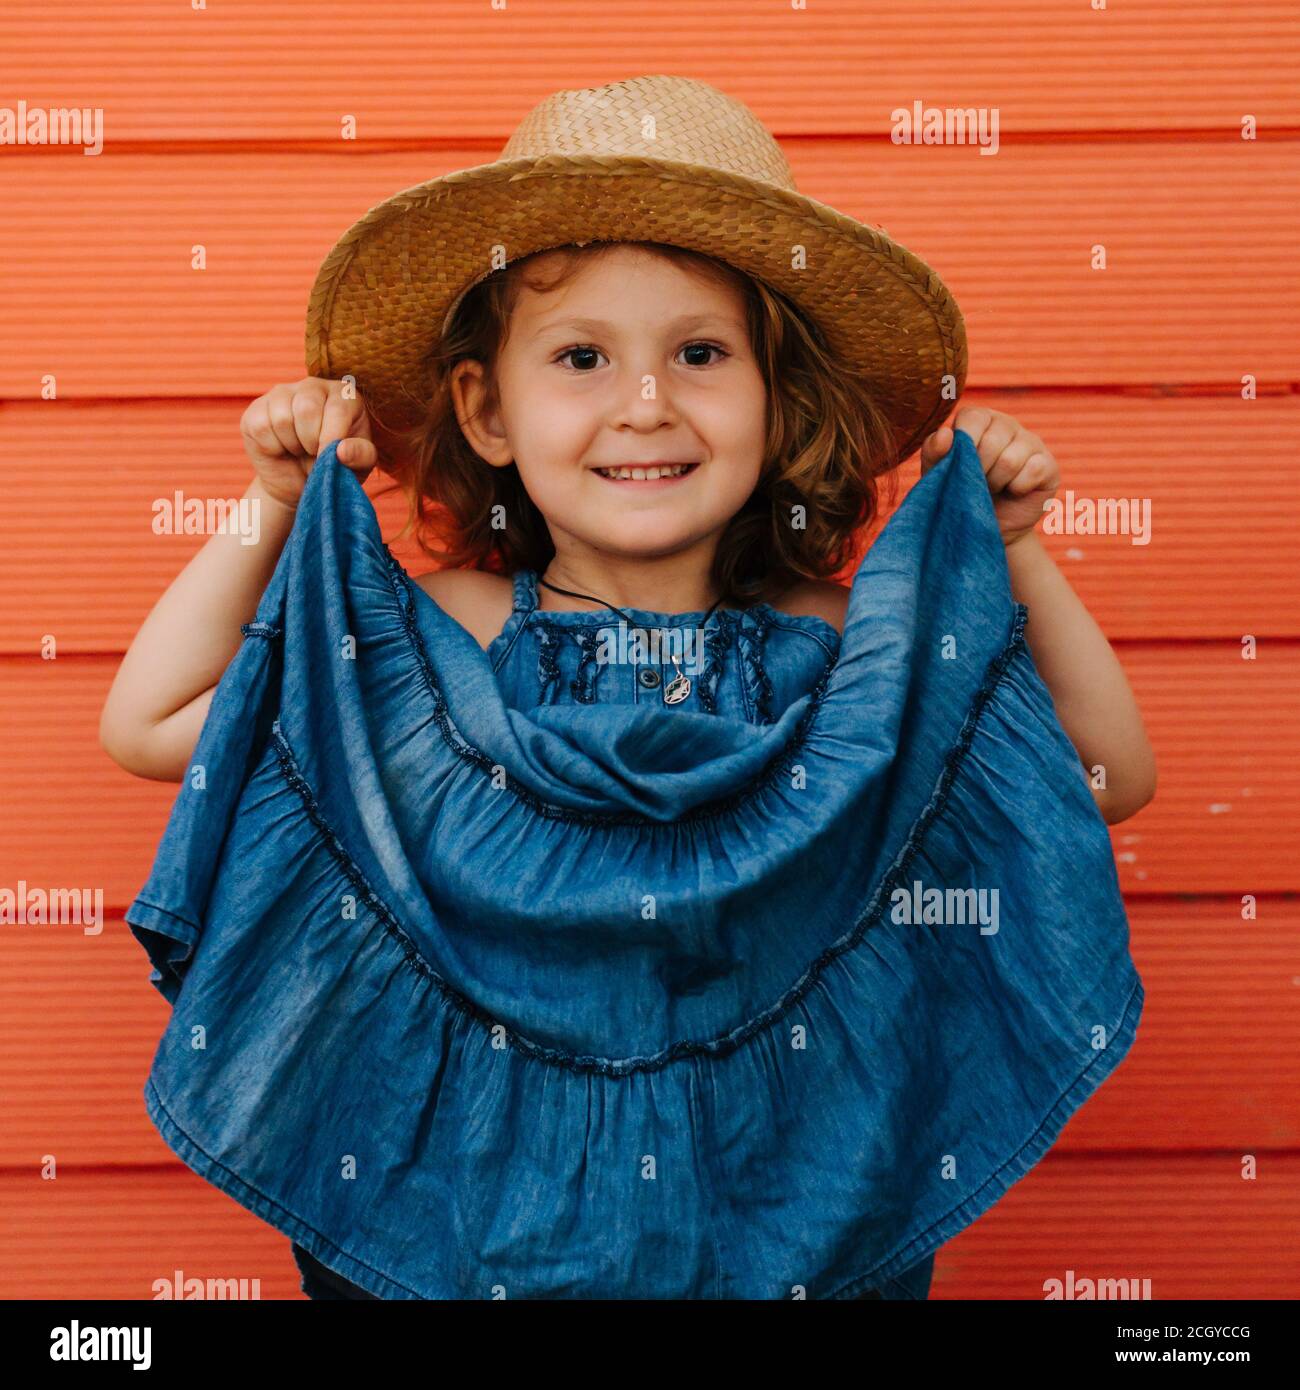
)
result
[(287, 429), (1022, 475)]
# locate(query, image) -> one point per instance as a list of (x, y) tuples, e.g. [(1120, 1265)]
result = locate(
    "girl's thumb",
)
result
[(933, 449), (357, 453)]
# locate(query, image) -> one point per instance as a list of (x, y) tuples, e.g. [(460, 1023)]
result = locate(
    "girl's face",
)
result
[(633, 362)]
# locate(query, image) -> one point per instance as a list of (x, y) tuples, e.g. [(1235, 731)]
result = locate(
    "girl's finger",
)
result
[(1034, 473), (1007, 458), (256, 426), (1000, 452), (308, 403), (340, 418), (279, 405), (973, 420)]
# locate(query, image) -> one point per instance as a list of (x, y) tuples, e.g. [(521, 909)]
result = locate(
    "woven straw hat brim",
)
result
[(384, 291)]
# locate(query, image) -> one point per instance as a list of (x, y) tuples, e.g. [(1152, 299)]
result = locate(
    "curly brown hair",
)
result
[(827, 445)]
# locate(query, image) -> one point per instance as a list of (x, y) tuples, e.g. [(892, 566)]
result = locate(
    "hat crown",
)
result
[(657, 117)]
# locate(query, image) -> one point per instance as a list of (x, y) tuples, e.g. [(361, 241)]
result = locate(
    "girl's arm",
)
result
[(1089, 689), (159, 698), (1093, 701)]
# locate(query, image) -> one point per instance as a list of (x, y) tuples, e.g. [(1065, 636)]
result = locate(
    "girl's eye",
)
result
[(586, 354), (704, 347)]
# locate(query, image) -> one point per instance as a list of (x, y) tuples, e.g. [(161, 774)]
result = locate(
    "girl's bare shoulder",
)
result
[(816, 598), (478, 601)]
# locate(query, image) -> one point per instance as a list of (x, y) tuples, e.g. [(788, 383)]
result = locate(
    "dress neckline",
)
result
[(527, 599)]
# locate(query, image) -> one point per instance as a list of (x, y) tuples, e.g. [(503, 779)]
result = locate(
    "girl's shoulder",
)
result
[(480, 602), (816, 598)]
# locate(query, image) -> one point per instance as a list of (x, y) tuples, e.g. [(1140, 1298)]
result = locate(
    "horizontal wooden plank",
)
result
[(113, 1234), (430, 69), (1190, 1224), (1216, 722), (79, 481), (1200, 287), (1210, 977), (1193, 1225), (1222, 820), (1213, 1066), (79, 1023)]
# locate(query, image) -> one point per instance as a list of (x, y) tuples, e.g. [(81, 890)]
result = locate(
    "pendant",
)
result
[(677, 689)]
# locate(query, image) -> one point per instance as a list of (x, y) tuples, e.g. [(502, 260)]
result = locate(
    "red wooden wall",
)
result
[(1120, 126)]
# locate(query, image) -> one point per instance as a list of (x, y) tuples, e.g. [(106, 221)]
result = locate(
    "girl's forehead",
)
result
[(624, 281)]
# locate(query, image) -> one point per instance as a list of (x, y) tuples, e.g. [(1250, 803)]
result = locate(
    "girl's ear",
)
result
[(476, 412)]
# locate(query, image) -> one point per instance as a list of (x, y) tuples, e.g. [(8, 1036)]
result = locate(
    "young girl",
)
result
[(563, 922)]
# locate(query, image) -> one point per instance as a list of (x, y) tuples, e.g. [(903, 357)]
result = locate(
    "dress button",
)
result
[(648, 677)]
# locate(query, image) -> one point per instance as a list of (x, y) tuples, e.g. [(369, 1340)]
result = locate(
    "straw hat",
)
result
[(654, 158)]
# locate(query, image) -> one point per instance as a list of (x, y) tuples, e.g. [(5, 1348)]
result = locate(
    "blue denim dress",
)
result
[(742, 664), (478, 994), (745, 664)]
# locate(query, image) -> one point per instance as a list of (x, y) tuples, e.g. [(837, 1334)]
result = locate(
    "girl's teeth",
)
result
[(644, 474)]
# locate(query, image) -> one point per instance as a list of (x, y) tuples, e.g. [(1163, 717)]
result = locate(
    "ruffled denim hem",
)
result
[(590, 1003)]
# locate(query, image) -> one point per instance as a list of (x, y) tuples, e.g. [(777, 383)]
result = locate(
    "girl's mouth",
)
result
[(651, 475)]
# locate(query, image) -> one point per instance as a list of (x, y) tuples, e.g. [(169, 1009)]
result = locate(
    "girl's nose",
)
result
[(643, 400)]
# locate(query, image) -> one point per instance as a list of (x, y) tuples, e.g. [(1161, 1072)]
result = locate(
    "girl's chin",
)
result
[(638, 539)]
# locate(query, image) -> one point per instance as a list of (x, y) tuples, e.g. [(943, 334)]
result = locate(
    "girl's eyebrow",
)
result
[(683, 324)]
